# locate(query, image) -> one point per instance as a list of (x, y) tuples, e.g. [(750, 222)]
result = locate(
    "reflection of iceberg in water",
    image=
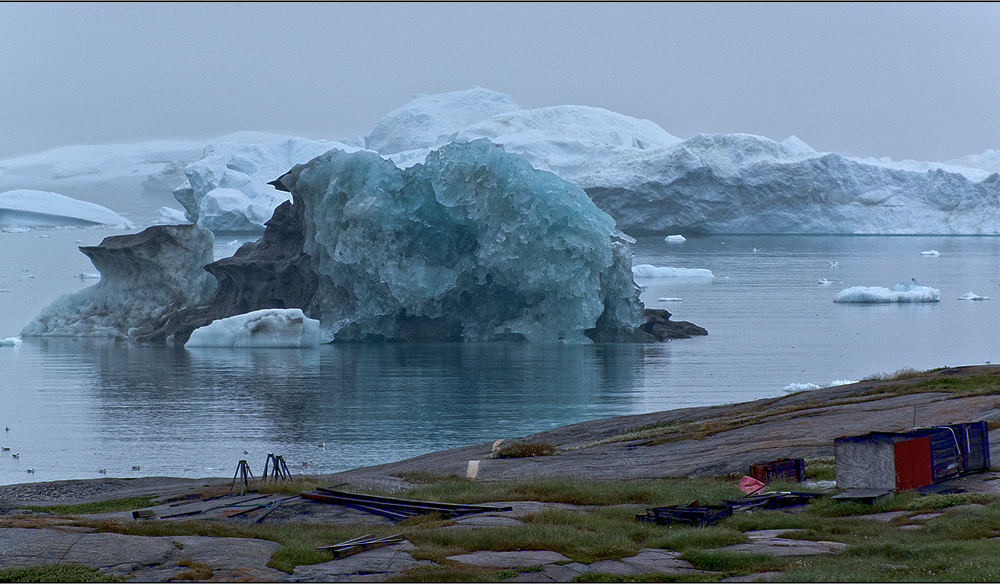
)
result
[(179, 411)]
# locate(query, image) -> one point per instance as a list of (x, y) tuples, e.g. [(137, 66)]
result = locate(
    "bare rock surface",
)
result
[(139, 558), (720, 439)]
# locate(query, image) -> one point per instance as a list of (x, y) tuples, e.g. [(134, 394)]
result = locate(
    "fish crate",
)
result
[(692, 514), (784, 469)]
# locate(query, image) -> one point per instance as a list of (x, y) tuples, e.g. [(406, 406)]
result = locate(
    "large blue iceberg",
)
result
[(472, 245)]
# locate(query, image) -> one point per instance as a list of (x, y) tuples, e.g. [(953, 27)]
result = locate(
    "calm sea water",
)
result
[(75, 406)]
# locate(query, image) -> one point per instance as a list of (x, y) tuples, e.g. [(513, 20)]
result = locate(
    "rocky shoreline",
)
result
[(711, 440), (719, 440)]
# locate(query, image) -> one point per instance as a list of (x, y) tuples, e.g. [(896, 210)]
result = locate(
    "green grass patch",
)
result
[(733, 562), (650, 577), (422, 477), (524, 450), (109, 506), (196, 570), (932, 502), (57, 573), (577, 492)]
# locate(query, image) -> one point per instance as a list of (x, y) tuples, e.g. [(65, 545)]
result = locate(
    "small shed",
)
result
[(898, 460)]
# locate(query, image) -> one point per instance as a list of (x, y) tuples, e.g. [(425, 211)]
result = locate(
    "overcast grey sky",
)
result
[(918, 81)]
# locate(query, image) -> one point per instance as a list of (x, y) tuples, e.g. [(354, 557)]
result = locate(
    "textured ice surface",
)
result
[(227, 191), (876, 294), (261, 328), (143, 276), (648, 271), (28, 208), (431, 121), (674, 239), (472, 245)]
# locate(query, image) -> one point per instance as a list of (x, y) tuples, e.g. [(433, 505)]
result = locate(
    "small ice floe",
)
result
[(834, 264), (825, 282), (674, 239), (4, 290), (903, 293), (16, 229), (43, 236), (797, 387), (89, 276), (931, 253), (648, 271), (755, 250), (270, 327), (971, 296), (29, 276), (10, 342), (668, 299)]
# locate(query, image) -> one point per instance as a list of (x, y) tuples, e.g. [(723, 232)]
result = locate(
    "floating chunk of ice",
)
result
[(10, 342), (674, 239), (671, 299), (797, 387), (972, 296), (27, 208), (932, 252), (825, 282), (648, 271), (876, 294), (276, 328)]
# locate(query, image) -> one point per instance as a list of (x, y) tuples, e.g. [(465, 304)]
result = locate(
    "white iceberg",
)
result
[(10, 342), (29, 208), (903, 293), (973, 296), (650, 181), (675, 239), (932, 253), (227, 189), (657, 272), (825, 282), (988, 161), (670, 299), (277, 328)]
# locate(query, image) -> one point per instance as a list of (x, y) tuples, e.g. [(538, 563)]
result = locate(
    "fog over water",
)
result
[(917, 81)]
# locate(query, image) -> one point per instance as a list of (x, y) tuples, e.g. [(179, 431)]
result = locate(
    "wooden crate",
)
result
[(786, 469), (692, 514)]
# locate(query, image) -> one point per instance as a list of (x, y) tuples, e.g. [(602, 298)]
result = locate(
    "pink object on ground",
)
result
[(750, 485)]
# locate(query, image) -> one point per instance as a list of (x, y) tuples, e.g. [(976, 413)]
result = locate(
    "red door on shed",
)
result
[(913, 463)]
